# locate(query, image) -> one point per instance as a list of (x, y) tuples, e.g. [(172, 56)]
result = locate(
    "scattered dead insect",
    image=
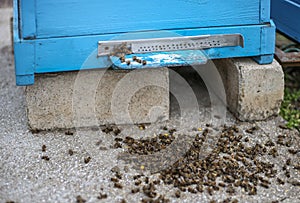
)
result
[(234, 201), (288, 162), (117, 145), (135, 190), (142, 126), (44, 148), (122, 59), (69, 132), (118, 185), (294, 182), (45, 158), (287, 174), (128, 62), (280, 181), (98, 142), (134, 58), (210, 191), (102, 196), (144, 62), (265, 185), (70, 152), (251, 130), (178, 194), (230, 190), (138, 182), (116, 180), (79, 199), (87, 159), (293, 151), (283, 126), (103, 148), (115, 169)]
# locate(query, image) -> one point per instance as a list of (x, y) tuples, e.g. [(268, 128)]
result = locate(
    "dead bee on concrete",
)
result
[(115, 180), (293, 151), (44, 148), (79, 199), (118, 185), (87, 160), (135, 190), (288, 162), (279, 181), (70, 152), (138, 182), (69, 132), (102, 196), (45, 158)]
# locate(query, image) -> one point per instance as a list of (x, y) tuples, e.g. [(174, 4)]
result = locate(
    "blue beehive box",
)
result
[(286, 14), (60, 35)]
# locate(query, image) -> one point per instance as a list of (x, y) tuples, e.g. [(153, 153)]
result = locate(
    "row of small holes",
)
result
[(177, 46)]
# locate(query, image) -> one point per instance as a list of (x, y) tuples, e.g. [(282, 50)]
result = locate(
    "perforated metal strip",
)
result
[(168, 44)]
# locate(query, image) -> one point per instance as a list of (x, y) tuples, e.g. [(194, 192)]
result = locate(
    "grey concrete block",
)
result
[(254, 92), (98, 97)]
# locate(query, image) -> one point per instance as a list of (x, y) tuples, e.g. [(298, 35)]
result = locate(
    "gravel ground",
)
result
[(61, 171)]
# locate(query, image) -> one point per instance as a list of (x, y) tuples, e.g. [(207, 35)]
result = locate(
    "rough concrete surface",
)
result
[(254, 92), (97, 97), (26, 177)]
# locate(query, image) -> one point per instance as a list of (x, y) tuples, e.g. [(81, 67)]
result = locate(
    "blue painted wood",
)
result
[(28, 18), (52, 38), (161, 59), (265, 11), (58, 18), (67, 54), (24, 54), (286, 15)]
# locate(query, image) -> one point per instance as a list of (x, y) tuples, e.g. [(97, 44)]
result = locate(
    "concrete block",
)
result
[(98, 97), (253, 92)]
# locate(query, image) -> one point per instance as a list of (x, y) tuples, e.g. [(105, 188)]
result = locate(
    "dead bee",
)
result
[(265, 185), (117, 145), (87, 160), (192, 190), (118, 185), (102, 196), (288, 162), (222, 184), (253, 191), (79, 199), (69, 133), (230, 190), (210, 191), (177, 194), (144, 62), (44, 148), (70, 152), (45, 158), (128, 62), (138, 182), (115, 180), (293, 151), (287, 174), (122, 59), (135, 190), (279, 181)]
